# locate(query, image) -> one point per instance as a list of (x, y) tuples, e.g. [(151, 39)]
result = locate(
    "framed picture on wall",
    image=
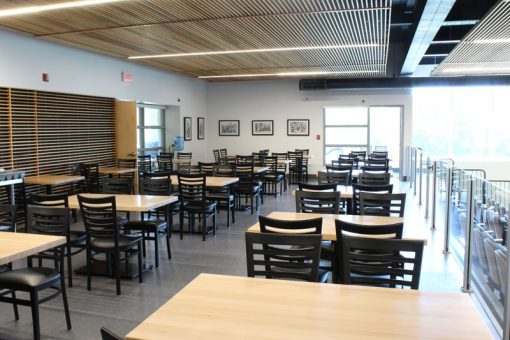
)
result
[(200, 127), (187, 128), (298, 127), (262, 127), (228, 127)]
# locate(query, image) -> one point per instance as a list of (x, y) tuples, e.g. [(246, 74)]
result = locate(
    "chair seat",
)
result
[(274, 177), (247, 189), (77, 236), (218, 196), (199, 206), (122, 221), (27, 278), (148, 225), (125, 242)]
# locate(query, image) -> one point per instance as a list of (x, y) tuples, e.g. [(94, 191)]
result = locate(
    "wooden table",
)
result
[(50, 180), (260, 169), (328, 223), (115, 171), (138, 203), (345, 191), (230, 307), (212, 181), (355, 172), (15, 246)]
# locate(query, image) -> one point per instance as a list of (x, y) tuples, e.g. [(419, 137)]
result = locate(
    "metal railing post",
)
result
[(411, 174), (421, 177), (414, 169), (427, 188), (434, 194), (466, 287), (446, 249), (506, 317)]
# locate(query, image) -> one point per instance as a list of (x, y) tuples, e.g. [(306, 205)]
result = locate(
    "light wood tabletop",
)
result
[(259, 169), (52, 179), (138, 203), (115, 171), (230, 307), (182, 161), (328, 223), (212, 181), (15, 246)]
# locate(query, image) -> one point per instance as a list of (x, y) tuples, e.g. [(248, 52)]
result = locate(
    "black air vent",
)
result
[(312, 84)]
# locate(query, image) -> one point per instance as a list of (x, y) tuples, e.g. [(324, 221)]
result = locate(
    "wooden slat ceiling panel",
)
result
[(484, 50), (135, 27)]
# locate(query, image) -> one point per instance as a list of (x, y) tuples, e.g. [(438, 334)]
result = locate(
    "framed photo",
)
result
[(200, 127), (262, 127), (298, 127), (187, 128), (228, 127)]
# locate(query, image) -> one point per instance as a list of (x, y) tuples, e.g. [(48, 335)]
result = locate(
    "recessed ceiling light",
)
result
[(259, 50), (51, 7), (286, 74)]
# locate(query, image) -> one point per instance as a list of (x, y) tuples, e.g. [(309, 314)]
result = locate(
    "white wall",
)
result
[(23, 59), (282, 100)]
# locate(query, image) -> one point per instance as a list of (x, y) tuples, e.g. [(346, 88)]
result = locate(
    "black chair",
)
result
[(309, 226), (272, 177), (217, 157), (184, 164), (247, 186), (118, 186), (377, 162), (223, 156), (374, 178), (32, 280), (107, 334), (206, 168), (165, 162), (295, 167), (245, 160), (7, 217), (283, 256), (382, 204), (381, 262), (306, 153), (358, 188), (390, 231), (318, 187), (318, 202), (193, 197), (282, 158), (127, 163), (92, 177), (342, 175), (76, 237), (223, 196), (100, 219), (144, 165), (375, 169), (155, 226)]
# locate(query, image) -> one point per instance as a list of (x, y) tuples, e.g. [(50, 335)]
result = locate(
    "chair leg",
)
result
[(168, 249), (181, 222), (204, 226), (228, 214), (69, 267), (15, 305), (88, 268), (34, 304), (140, 265), (64, 299), (156, 247), (117, 271), (233, 209), (251, 204), (143, 244)]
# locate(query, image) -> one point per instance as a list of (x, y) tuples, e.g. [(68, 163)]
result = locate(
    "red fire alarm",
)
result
[(45, 77), (318, 137), (127, 77)]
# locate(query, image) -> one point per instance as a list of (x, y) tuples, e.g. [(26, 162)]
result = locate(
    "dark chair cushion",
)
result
[(247, 189), (218, 196), (26, 278), (125, 242), (199, 206), (148, 225)]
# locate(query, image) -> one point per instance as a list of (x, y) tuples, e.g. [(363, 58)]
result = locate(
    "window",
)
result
[(345, 130), (464, 123), (150, 122)]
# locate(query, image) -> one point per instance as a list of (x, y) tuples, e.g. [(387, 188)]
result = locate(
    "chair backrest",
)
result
[(106, 334), (206, 168), (305, 152), (48, 220), (144, 165), (92, 178), (100, 217), (7, 217), (375, 169), (281, 156), (358, 188), (374, 178), (342, 175), (248, 159), (165, 161), (191, 187), (223, 153), (318, 187), (318, 202), (118, 186), (48, 200), (184, 155), (217, 156), (155, 186), (283, 256), (382, 204), (245, 173), (381, 262), (296, 159), (272, 163), (224, 170), (126, 163), (272, 225), (377, 162)]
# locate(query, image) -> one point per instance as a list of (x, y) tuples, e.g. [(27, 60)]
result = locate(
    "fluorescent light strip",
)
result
[(51, 7), (490, 41), (260, 50), (286, 74), (481, 70)]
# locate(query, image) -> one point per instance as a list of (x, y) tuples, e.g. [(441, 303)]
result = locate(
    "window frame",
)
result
[(141, 127)]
